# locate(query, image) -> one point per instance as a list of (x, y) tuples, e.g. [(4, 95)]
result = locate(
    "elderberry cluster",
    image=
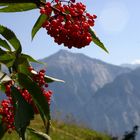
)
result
[(7, 106), (39, 78), (7, 112), (68, 23)]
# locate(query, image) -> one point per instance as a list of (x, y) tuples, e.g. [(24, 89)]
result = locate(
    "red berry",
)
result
[(30, 68), (69, 24), (56, 0), (42, 11), (72, 1), (94, 16), (7, 105)]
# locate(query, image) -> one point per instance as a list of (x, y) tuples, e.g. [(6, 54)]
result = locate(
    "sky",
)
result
[(117, 26)]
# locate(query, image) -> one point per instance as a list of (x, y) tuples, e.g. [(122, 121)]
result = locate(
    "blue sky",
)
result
[(117, 26)]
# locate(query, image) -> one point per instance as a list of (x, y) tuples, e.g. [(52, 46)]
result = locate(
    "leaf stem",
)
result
[(55, 9), (48, 127), (22, 138)]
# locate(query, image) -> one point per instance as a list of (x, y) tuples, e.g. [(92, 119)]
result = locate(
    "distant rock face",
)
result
[(116, 106), (131, 66), (90, 94), (83, 76)]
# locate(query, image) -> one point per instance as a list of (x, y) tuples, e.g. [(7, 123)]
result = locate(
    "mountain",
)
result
[(116, 106), (83, 76), (131, 66)]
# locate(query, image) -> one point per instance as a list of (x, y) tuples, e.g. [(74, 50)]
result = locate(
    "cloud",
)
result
[(137, 61)]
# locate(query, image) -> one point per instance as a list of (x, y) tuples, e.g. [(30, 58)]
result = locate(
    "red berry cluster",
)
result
[(7, 109), (39, 78), (68, 23)]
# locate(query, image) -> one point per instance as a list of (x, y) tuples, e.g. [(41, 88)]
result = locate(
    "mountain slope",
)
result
[(130, 66), (83, 76), (116, 106)]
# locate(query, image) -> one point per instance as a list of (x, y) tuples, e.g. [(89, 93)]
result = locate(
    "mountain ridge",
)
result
[(117, 104)]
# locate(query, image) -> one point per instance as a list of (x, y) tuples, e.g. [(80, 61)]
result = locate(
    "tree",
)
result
[(131, 135), (26, 89)]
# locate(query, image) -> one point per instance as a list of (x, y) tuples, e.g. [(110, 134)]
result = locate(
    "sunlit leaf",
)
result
[(3, 4), (18, 1), (7, 59), (20, 60), (9, 63), (11, 38), (18, 7), (23, 69), (2, 87), (2, 51), (38, 24), (97, 41), (50, 79), (4, 44), (39, 135), (7, 56), (31, 59)]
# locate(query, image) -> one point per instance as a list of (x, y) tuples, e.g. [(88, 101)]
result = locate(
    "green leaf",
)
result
[(50, 79), (0, 119), (23, 112), (43, 0), (5, 2), (38, 24), (2, 4), (2, 51), (2, 87), (39, 135), (8, 63), (2, 128), (19, 62), (97, 41), (7, 56), (18, 7), (22, 68), (4, 44), (11, 38), (7, 59), (31, 59), (18, 1), (36, 93)]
